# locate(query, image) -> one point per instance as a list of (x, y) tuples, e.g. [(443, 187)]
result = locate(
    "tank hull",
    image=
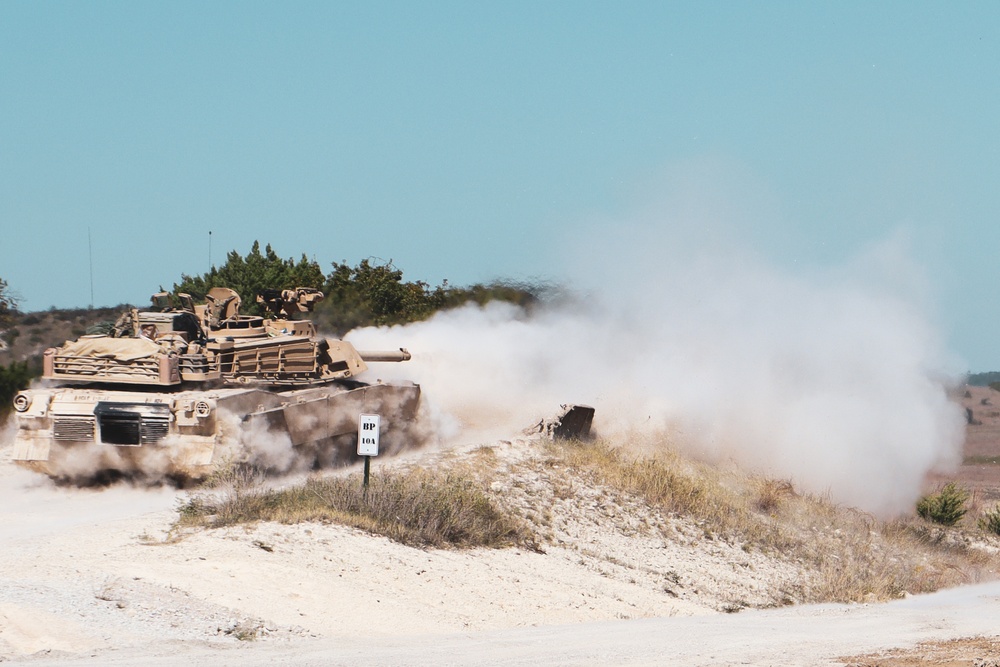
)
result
[(77, 432)]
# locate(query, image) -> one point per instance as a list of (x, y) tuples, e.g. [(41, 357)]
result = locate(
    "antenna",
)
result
[(90, 252), (210, 250)]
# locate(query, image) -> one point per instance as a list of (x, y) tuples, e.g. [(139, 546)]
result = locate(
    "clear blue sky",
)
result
[(470, 140)]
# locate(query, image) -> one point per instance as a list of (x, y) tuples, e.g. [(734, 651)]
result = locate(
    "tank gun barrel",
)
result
[(385, 355)]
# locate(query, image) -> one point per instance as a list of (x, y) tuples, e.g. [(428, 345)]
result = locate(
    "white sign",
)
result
[(368, 435)]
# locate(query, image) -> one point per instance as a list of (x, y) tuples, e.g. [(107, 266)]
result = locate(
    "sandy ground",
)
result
[(87, 577)]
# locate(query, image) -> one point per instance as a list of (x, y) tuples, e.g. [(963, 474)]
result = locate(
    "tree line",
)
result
[(372, 292)]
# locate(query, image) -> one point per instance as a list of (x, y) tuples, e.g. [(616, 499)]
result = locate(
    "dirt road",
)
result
[(87, 579), (807, 635)]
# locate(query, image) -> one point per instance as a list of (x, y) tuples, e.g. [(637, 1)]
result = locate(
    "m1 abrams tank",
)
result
[(179, 388)]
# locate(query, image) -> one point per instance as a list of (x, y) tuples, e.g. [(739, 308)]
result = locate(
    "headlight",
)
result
[(22, 402), (202, 409)]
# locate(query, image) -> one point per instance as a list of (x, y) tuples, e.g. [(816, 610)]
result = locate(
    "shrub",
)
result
[(414, 507), (945, 507), (990, 521), (771, 493)]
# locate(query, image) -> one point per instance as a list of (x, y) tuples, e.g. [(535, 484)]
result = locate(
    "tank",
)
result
[(180, 388)]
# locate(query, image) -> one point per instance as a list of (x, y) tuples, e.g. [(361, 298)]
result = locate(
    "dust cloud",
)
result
[(833, 378), (32, 505)]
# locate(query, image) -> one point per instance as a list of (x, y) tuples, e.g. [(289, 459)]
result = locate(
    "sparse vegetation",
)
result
[(860, 559), (415, 507), (990, 521), (246, 630), (852, 556), (945, 507), (487, 499), (678, 486), (771, 493)]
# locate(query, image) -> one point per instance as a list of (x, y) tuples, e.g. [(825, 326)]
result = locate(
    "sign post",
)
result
[(368, 428)]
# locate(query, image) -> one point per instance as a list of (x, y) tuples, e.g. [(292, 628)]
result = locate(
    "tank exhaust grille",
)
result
[(154, 430), (73, 428), (132, 424)]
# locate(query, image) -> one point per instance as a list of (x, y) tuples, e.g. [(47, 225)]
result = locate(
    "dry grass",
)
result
[(684, 488), (862, 559), (771, 494), (843, 555), (846, 555), (415, 507)]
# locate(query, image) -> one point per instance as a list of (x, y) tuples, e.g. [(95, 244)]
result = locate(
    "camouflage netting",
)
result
[(122, 349)]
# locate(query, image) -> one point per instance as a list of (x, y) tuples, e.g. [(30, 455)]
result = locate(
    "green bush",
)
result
[(945, 507), (990, 521), (251, 274)]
